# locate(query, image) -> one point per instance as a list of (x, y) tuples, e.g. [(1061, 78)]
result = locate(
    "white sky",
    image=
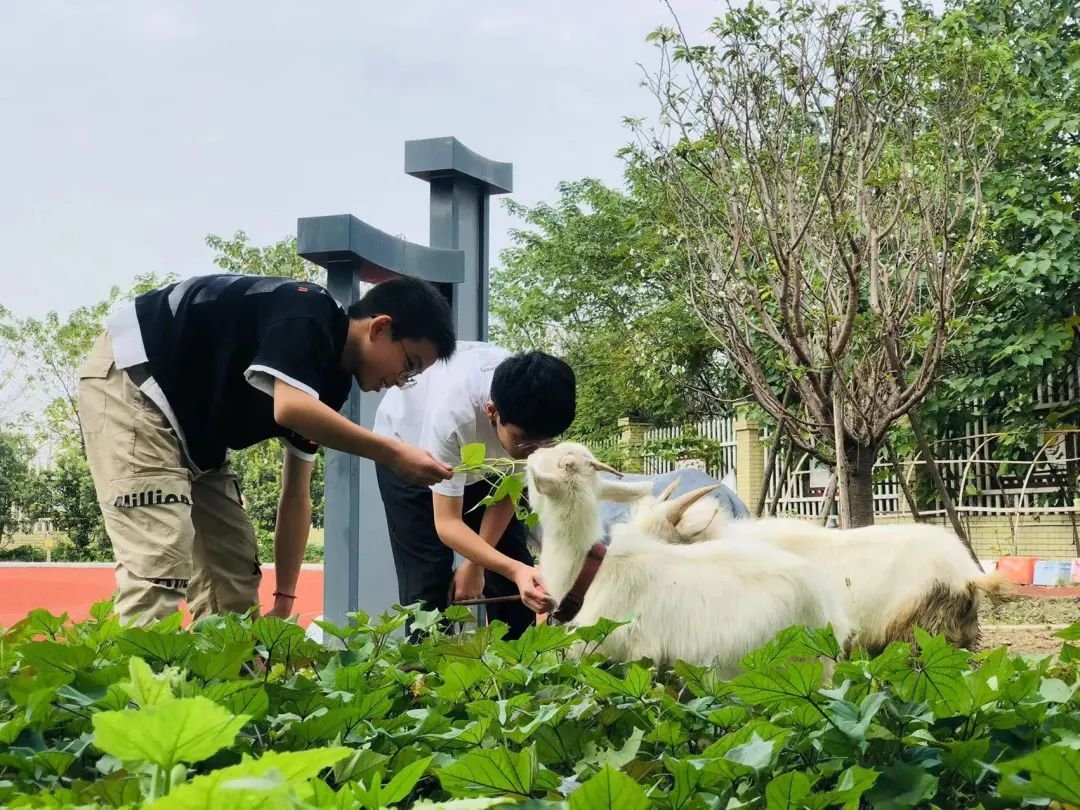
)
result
[(133, 128)]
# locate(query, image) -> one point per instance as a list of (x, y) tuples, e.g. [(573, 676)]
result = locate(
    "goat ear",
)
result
[(544, 484), (622, 491)]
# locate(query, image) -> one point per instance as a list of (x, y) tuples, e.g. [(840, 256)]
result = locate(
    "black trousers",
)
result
[(425, 566)]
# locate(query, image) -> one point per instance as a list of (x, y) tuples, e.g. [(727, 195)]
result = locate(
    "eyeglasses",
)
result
[(528, 447), (407, 377)]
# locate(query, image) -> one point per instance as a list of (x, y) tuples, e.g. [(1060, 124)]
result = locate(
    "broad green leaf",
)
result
[(468, 645), (853, 783), (534, 642), (183, 730), (780, 685), (854, 720), (240, 697), (458, 677), (220, 664), (937, 680), (40, 622), (787, 790), (49, 655), (218, 790), (169, 648), (361, 766), (902, 786), (1055, 690), (473, 454), (562, 744), (689, 779), (701, 681), (617, 757), (491, 772), (465, 804), (145, 688), (1049, 773), (965, 756), (1070, 633), (398, 788), (281, 639), (54, 763), (609, 789)]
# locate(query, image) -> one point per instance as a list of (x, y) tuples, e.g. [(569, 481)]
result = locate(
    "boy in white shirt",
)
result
[(512, 404)]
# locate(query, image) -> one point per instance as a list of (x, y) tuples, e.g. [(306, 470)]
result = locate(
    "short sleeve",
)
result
[(298, 351), (447, 449), (300, 447)]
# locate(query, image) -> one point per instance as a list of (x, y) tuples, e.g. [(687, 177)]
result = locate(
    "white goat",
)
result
[(896, 576), (708, 603)]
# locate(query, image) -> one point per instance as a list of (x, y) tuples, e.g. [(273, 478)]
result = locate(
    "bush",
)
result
[(252, 714)]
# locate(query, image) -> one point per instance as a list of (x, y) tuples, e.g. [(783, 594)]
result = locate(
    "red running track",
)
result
[(72, 589)]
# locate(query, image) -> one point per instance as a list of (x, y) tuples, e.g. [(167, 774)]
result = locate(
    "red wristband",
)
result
[(282, 593)]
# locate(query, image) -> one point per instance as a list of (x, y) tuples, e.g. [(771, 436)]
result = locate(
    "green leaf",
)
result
[(1051, 773), (491, 772), (787, 790), (145, 688), (779, 686), (183, 730), (534, 642), (49, 655), (902, 786), (169, 648), (937, 678), (221, 789), (220, 664), (609, 789), (404, 781), (1070, 633), (473, 455)]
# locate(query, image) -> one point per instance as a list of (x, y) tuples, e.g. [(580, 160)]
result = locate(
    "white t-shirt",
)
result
[(444, 410)]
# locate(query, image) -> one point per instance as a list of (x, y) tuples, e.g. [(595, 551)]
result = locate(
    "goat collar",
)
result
[(571, 603)]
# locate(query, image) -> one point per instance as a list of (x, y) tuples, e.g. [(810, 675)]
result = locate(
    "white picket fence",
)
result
[(975, 465)]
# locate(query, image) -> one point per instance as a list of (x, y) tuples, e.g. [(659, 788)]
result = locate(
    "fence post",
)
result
[(631, 443), (749, 460)]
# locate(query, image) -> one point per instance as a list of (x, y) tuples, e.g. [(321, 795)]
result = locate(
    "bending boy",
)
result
[(221, 362), (512, 404)]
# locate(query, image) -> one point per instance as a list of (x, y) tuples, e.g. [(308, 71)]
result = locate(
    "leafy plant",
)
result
[(244, 713), (507, 480)]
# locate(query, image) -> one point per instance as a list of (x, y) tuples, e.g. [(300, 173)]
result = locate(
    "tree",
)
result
[(238, 255), (586, 280), (825, 169), (51, 350), (1024, 324), (16, 475), (65, 495)]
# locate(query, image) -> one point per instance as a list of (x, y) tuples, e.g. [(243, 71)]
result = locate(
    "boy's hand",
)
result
[(419, 466), (468, 581), (532, 591)]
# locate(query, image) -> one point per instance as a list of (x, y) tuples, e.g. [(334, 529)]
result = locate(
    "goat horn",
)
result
[(663, 496), (677, 508), (599, 465)]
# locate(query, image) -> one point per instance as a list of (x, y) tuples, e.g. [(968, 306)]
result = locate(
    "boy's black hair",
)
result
[(535, 392), (417, 309)]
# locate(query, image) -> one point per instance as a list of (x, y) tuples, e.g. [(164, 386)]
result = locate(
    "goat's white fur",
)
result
[(708, 603), (895, 576)]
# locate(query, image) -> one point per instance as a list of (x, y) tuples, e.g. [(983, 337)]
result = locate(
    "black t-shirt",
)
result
[(215, 344)]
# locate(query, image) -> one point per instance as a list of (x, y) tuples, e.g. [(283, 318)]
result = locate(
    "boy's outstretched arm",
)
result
[(319, 423), (291, 530), (455, 533)]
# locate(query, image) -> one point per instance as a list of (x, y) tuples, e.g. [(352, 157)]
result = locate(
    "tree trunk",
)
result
[(860, 485)]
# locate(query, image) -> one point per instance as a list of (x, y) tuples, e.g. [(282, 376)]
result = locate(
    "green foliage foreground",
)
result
[(95, 714)]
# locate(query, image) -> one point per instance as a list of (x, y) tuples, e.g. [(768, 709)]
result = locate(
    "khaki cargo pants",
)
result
[(174, 533)]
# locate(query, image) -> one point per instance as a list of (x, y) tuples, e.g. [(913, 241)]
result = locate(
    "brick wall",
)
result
[(1048, 536)]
